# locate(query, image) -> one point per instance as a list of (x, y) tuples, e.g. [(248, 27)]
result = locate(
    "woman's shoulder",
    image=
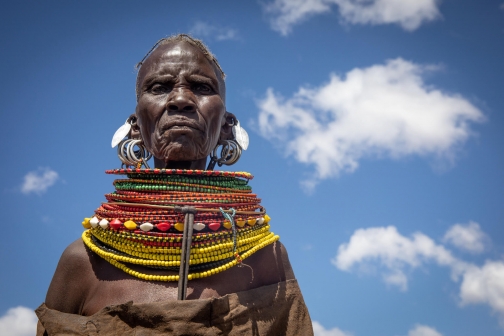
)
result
[(267, 266), (271, 264), (71, 279), (76, 251), (75, 261)]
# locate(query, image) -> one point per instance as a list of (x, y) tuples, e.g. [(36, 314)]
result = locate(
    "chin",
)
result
[(176, 151), (172, 146)]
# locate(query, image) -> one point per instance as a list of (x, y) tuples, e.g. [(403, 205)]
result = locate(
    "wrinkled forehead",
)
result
[(177, 56), (172, 55)]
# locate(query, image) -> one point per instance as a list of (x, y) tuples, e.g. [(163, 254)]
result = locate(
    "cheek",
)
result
[(148, 112), (213, 115), (150, 109)]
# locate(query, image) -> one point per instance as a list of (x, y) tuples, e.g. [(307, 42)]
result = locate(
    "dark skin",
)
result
[(181, 109), (181, 116)]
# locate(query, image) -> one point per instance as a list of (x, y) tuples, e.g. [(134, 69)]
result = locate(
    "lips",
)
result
[(180, 124)]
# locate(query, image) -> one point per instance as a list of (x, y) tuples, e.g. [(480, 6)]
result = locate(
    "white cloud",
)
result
[(408, 14), (423, 330), (38, 181), (467, 237), (319, 330), (287, 13), (19, 321), (485, 285), (218, 33), (392, 253), (385, 109), (418, 330)]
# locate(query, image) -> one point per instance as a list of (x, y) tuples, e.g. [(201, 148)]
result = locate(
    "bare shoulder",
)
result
[(269, 265), (284, 259), (71, 280), (273, 264)]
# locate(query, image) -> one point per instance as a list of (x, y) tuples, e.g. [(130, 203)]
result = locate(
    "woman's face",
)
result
[(180, 105)]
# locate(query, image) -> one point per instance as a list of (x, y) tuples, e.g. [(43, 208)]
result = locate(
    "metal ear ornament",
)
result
[(121, 133), (240, 135), (229, 154), (130, 156), (231, 149), (131, 152)]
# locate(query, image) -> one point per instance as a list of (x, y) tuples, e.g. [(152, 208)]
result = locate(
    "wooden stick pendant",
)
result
[(189, 212)]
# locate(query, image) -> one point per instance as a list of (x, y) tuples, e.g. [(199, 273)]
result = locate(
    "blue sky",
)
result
[(375, 141)]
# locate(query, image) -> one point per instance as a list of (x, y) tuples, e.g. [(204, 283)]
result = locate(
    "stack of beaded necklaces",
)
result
[(140, 223)]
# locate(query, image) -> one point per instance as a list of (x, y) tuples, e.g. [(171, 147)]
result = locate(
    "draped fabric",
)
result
[(275, 310)]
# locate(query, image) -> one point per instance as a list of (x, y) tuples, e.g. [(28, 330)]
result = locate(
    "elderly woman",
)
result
[(123, 278)]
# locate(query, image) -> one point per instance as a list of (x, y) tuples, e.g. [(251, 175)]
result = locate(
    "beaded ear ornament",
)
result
[(131, 152)]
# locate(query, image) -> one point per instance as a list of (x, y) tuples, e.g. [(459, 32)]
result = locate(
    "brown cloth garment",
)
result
[(276, 310)]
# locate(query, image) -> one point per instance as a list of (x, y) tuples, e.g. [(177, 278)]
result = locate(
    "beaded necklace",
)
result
[(141, 222)]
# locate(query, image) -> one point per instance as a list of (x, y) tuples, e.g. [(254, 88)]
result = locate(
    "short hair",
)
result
[(185, 38)]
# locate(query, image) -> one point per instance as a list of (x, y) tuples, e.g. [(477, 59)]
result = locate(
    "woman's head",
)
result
[(181, 103)]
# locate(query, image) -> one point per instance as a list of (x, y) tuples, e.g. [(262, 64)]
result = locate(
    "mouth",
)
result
[(180, 125)]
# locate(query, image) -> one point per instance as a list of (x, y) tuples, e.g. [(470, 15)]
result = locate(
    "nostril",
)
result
[(185, 107)]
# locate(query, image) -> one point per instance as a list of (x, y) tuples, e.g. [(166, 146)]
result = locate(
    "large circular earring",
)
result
[(229, 154), (132, 152)]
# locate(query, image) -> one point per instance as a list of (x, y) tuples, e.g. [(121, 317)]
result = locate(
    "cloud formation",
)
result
[(287, 13), (485, 285), (395, 256), (418, 330), (468, 237), (19, 321), (423, 330), (204, 29), (408, 14), (394, 252), (319, 330), (39, 181), (383, 110)]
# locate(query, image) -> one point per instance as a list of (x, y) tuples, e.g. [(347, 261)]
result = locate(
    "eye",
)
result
[(202, 88), (159, 88)]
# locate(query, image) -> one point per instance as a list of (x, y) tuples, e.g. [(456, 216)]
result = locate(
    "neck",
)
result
[(197, 164)]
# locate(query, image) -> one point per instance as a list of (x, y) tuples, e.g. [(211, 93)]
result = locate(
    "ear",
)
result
[(227, 128), (135, 130)]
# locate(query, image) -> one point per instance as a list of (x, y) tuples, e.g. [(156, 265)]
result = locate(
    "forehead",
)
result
[(175, 57)]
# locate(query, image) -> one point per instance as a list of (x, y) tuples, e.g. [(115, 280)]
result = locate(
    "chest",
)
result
[(112, 286)]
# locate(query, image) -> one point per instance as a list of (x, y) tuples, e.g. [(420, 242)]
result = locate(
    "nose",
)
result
[(181, 100)]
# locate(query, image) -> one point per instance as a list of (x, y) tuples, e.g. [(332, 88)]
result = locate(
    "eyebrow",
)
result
[(167, 78), (203, 80), (149, 80)]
